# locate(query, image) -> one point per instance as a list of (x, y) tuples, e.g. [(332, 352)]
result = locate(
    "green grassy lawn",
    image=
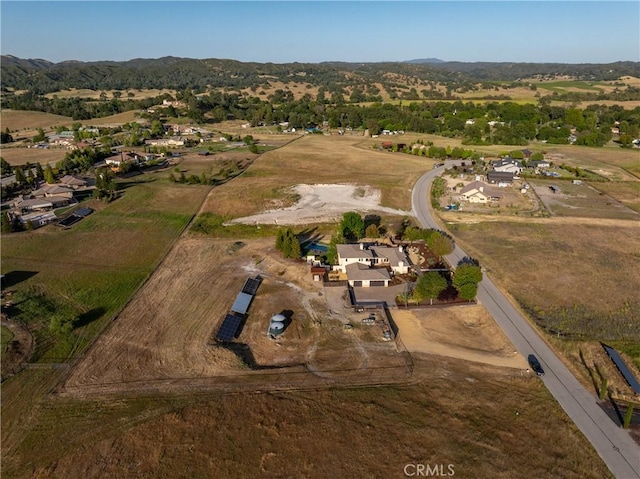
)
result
[(88, 272), (561, 86)]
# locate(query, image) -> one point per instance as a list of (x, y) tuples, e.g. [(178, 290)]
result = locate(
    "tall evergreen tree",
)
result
[(48, 175)]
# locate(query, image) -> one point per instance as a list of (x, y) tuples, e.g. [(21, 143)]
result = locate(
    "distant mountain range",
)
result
[(425, 60), (43, 76)]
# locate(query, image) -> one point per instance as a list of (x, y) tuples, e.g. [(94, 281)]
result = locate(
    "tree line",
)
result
[(505, 123)]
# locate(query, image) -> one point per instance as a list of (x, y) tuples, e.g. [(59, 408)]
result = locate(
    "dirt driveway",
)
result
[(463, 332)]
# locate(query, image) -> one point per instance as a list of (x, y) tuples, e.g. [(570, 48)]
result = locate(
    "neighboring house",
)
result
[(131, 157), (38, 219), (115, 161), (500, 178), (23, 206), (173, 141), (139, 158), (53, 190), (478, 192), (73, 182), (535, 164), (508, 165)]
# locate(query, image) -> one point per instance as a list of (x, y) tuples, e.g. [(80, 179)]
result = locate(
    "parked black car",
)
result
[(535, 365)]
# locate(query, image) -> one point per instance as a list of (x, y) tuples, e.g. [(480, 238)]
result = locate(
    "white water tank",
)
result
[(276, 328)]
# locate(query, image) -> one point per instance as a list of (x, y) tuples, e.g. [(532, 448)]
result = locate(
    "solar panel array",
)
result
[(229, 327), (242, 303), (251, 285), (622, 367)]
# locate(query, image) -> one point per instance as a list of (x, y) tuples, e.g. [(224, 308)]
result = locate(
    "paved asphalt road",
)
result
[(614, 445)]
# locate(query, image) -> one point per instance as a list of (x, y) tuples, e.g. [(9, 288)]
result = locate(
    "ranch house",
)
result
[(508, 165), (501, 178), (478, 192), (370, 265)]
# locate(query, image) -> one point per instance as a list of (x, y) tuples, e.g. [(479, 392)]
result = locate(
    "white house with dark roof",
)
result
[(507, 165), (501, 178), (370, 265), (372, 255)]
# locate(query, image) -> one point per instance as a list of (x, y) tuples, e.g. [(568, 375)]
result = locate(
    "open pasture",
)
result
[(557, 262), (564, 198), (115, 120), (19, 120), (627, 192), (44, 156), (92, 269), (456, 415)]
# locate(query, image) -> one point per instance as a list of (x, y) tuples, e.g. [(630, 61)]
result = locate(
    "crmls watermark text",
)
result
[(429, 470)]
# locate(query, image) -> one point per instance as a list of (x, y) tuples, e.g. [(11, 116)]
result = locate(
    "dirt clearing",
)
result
[(323, 204), (463, 332)]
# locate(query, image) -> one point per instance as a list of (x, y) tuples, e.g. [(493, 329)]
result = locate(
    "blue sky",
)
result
[(360, 31)]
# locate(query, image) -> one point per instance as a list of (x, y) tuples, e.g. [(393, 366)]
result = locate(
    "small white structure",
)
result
[(277, 325)]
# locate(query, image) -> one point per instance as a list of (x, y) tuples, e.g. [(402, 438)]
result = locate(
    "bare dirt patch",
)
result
[(463, 332), (18, 349), (323, 204)]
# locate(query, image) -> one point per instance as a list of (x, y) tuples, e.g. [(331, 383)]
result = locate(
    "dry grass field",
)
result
[(167, 330), (20, 156), (557, 262), (485, 424), (18, 120), (627, 192), (477, 415), (316, 159), (115, 120), (464, 332)]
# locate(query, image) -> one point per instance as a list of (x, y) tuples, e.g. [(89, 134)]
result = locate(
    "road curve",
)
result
[(614, 444)]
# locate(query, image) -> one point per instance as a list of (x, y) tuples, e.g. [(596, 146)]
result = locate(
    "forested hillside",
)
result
[(42, 76)]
